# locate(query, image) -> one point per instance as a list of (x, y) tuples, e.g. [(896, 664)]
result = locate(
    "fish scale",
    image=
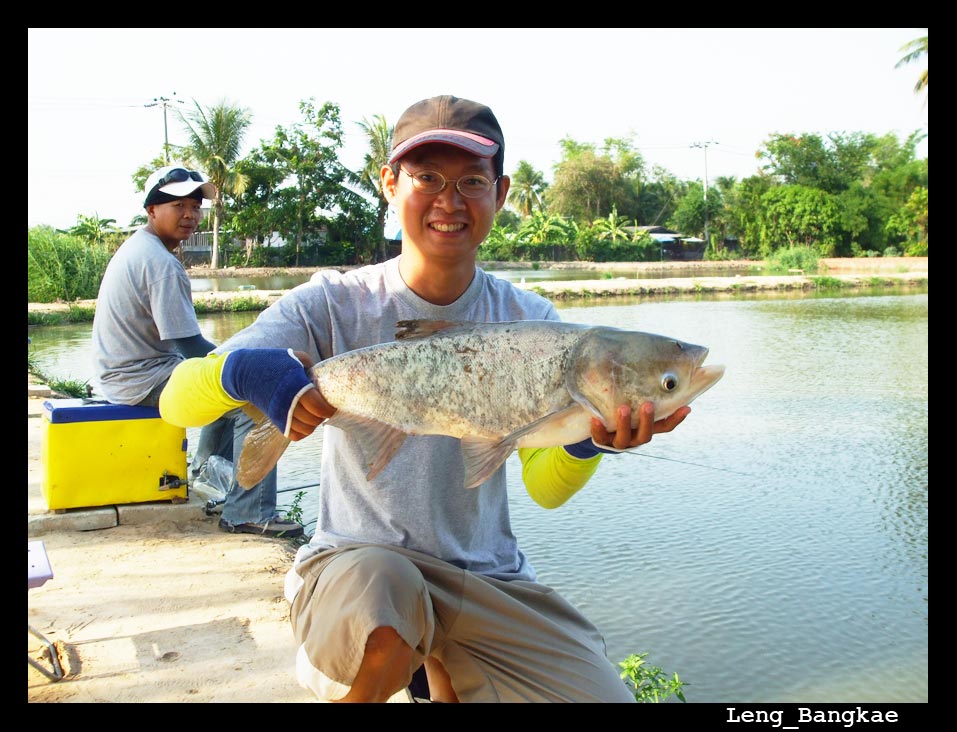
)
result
[(415, 404)]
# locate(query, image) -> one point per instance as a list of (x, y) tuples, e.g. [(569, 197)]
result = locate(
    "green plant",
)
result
[(62, 266), (67, 387), (650, 683), (827, 282), (294, 512), (74, 314), (231, 305), (782, 260)]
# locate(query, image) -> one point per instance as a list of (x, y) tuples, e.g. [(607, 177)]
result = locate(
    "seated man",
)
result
[(145, 325)]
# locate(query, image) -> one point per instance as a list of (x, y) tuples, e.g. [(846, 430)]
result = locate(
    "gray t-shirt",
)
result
[(417, 501), (144, 303)]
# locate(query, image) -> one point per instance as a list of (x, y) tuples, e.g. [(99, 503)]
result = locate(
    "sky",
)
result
[(92, 116)]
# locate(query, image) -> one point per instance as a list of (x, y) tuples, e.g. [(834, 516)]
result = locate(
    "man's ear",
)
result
[(388, 180), (501, 191)]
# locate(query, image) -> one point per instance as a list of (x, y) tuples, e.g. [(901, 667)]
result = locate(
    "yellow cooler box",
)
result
[(95, 453)]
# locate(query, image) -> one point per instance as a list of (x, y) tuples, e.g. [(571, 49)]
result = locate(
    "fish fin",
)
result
[(576, 378), (254, 413), (384, 439), (556, 416), (582, 400), (410, 329), (483, 458), (262, 448)]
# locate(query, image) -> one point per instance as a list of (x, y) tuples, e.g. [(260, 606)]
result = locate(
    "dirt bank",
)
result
[(855, 273), (832, 265)]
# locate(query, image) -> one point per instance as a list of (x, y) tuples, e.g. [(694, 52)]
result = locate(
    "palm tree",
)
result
[(528, 185), (215, 140), (92, 229), (368, 179), (914, 51)]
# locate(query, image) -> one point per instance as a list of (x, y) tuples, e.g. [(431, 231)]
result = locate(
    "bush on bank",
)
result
[(62, 266)]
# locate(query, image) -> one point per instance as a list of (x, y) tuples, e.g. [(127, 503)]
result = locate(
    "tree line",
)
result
[(840, 194)]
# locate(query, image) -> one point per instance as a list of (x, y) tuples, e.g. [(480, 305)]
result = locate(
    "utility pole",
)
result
[(707, 241), (164, 102)]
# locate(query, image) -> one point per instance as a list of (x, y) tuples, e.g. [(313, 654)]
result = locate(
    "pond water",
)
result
[(774, 547), (288, 281)]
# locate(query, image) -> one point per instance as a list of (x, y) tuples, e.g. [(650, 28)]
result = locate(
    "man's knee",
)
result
[(366, 599)]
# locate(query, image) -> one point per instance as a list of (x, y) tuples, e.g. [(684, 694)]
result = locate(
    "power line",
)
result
[(164, 102), (707, 241)]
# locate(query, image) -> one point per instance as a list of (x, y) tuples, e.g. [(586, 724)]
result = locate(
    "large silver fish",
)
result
[(496, 386)]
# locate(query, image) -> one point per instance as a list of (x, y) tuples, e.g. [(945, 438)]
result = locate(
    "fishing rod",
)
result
[(297, 488), (213, 503)]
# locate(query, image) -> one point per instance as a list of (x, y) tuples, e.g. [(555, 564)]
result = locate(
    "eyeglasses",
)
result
[(431, 182), (179, 175)]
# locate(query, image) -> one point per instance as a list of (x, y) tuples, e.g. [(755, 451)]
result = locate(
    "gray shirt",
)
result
[(144, 303), (417, 501)]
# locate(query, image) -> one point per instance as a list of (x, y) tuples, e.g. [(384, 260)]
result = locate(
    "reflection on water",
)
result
[(774, 547)]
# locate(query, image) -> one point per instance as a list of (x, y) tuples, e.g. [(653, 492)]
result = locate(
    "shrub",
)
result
[(62, 266), (918, 249), (804, 258)]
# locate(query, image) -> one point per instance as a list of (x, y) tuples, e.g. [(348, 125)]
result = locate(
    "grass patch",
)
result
[(825, 282), (75, 314), (67, 387), (232, 305), (792, 258)]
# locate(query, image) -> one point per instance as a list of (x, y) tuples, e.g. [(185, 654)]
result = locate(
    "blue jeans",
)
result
[(224, 437)]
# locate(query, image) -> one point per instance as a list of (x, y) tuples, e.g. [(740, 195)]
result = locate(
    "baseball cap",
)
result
[(452, 121), (174, 181)]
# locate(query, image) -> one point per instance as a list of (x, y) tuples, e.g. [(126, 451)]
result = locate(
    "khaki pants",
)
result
[(499, 641)]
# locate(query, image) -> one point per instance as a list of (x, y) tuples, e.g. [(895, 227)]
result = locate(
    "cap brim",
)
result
[(188, 186), (475, 144)]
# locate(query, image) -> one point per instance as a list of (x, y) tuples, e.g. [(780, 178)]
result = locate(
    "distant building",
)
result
[(674, 246)]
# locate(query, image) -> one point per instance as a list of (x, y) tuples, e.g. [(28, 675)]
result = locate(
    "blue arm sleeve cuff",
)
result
[(273, 379), (588, 449)]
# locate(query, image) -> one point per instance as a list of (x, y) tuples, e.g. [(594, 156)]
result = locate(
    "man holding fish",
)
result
[(409, 567)]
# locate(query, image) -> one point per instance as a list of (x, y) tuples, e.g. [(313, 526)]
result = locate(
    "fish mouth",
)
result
[(704, 377)]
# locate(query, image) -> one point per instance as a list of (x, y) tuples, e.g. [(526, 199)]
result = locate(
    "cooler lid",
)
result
[(62, 411)]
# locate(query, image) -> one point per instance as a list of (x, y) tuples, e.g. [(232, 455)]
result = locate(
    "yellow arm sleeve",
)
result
[(552, 476), (194, 395)]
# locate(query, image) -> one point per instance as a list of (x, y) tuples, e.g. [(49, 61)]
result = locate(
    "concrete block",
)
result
[(88, 519)]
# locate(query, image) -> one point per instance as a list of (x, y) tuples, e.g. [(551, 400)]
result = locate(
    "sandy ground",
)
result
[(164, 612), (161, 610)]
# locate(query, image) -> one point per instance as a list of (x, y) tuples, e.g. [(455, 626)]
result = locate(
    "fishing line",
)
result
[(685, 462)]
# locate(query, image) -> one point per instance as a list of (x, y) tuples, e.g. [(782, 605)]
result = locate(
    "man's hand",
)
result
[(311, 410), (624, 437)]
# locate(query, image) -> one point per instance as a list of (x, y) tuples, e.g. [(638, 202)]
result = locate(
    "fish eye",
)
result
[(669, 382)]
